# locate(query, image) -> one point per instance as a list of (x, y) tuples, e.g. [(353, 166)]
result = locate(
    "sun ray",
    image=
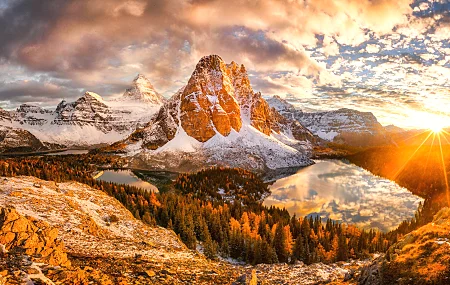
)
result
[(409, 159), (415, 135), (445, 171), (445, 137), (428, 157)]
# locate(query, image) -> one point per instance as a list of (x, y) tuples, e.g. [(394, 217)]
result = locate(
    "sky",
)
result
[(389, 57)]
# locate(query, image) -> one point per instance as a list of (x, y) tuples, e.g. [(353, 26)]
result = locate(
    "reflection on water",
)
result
[(69, 151), (345, 192), (125, 177)]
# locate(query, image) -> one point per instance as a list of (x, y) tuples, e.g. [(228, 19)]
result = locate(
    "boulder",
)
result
[(34, 238)]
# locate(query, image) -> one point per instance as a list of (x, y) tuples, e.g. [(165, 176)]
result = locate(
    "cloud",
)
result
[(88, 41)]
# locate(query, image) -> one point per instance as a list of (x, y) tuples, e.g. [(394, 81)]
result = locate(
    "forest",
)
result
[(241, 228)]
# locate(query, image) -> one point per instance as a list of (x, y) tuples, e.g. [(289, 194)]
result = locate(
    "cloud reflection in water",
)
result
[(345, 192)]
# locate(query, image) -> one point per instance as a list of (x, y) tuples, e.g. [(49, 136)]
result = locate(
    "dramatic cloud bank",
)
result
[(323, 53)]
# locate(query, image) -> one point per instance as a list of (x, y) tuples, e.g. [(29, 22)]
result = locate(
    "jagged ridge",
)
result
[(343, 126), (89, 120), (217, 119)]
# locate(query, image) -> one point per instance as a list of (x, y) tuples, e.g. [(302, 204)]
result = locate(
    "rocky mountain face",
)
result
[(90, 120), (343, 126), (18, 140), (92, 110), (217, 118)]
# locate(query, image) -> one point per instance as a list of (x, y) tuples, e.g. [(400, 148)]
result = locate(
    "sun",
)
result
[(435, 123), (436, 129), (429, 121)]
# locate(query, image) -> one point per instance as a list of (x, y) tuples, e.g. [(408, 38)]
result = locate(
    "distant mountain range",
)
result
[(343, 126), (216, 119), (90, 120)]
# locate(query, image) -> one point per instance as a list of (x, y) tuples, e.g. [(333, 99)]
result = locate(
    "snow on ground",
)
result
[(182, 142), (82, 216), (329, 136), (246, 148), (72, 134)]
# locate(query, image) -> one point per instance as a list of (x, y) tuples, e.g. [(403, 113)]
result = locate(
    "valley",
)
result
[(162, 210)]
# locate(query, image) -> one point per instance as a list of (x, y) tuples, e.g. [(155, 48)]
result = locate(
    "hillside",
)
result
[(420, 257), (98, 232), (78, 235), (419, 169), (18, 140)]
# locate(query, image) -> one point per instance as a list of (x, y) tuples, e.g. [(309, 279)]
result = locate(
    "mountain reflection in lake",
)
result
[(344, 192), (125, 177)]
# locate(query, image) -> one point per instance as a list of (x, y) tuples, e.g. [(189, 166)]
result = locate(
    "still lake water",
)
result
[(69, 151), (344, 192), (125, 177)]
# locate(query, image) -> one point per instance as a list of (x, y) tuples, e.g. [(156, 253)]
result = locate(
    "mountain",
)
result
[(393, 129), (142, 91), (90, 120), (217, 119), (18, 140), (343, 126)]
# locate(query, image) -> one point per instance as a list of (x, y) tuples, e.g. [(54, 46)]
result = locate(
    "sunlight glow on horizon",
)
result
[(429, 121)]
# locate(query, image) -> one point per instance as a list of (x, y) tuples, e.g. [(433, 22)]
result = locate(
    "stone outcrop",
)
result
[(32, 237)]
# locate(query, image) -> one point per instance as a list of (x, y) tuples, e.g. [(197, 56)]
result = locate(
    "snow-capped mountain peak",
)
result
[(90, 119), (217, 119), (142, 90), (90, 96)]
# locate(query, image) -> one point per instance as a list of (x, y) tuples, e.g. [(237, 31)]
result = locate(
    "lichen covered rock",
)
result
[(34, 238)]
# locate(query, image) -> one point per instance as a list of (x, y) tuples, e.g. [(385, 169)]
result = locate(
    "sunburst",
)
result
[(436, 130)]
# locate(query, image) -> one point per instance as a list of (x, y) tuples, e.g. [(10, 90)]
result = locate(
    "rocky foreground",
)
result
[(69, 233)]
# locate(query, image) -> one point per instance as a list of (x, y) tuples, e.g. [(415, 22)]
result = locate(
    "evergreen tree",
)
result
[(280, 243)]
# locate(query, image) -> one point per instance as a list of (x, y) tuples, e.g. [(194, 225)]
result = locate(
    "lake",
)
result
[(125, 176), (69, 151), (344, 192)]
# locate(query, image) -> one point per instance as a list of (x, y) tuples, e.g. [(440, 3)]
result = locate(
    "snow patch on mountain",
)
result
[(90, 120), (180, 143), (343, 126), (217, 119)]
